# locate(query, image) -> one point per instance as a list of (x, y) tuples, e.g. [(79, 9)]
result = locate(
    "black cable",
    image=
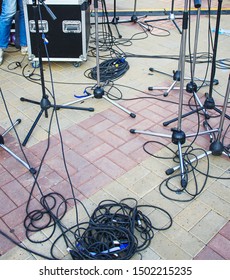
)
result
[(110, 70), (117, 231)]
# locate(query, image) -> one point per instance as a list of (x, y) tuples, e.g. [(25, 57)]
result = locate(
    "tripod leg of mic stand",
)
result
[(57, 107), (172, 170), (32, 127), (18, 121), (118, 32), (133, 131), (183, 116), (82, 99), (120, 107), (32, 170), (207, 128), (170, 88), (30, 101), (177, 27), (220, 112)]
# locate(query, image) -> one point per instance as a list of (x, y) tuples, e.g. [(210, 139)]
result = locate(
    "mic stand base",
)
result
[(45, 104), (134, 18), (171, 17), (99, 93), (178, 138)]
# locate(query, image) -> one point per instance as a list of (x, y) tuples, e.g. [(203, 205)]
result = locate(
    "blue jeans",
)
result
[(9, 8)]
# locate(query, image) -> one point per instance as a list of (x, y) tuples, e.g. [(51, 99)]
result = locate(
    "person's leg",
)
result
[(6, 17), (22, 28)]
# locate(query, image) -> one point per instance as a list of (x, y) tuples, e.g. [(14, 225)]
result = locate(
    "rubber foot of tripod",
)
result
[(150, 88), (91, 109), (33, 170), (165, 94), (215, 82), (22, 99), (151, 69), (1, 140), (132, 130), (169, 171), (132, 115), (166, 123), (18, 121)]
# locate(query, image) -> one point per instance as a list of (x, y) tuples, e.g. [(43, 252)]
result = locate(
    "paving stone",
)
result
[(207, 227)]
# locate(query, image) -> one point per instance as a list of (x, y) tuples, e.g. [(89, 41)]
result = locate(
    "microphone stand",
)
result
[(99, 92), (178, 136), (44, 103), (192, 87), (209, 102), (134, 18), (170, 17), (216, 148), (176, 74)]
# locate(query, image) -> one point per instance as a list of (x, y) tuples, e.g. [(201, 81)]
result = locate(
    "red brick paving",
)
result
[(218, 247), (208, 254)]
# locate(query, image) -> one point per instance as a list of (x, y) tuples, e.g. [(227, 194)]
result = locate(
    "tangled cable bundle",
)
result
[(116, 231), (110, 70)]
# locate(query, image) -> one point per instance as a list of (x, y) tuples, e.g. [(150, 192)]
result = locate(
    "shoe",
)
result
[(24, 50), (1, 56)]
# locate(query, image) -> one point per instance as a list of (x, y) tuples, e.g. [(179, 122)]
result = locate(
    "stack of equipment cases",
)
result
[(65, 38)]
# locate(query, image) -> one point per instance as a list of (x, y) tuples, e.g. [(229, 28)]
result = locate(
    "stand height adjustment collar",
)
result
[(191, 87), (178, 136)]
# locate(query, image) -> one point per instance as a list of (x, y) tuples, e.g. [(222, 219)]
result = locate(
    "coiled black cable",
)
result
[(110, 70), (117, 231)]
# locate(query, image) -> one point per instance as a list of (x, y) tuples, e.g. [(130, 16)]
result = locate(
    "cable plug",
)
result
[(122, 59), (221, 31), (73, 254), (138, 218), (112, 250), (85, 94), (118, 242), (44, 39)]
